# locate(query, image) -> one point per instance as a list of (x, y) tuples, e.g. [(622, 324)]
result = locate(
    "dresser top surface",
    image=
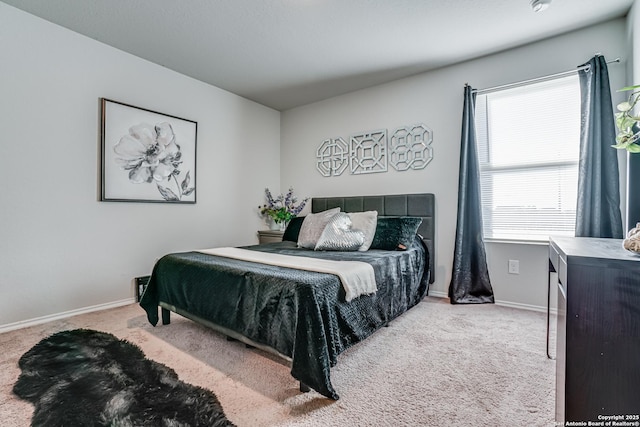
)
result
[(593, 248)]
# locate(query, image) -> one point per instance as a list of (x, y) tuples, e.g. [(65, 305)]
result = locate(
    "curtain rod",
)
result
[(536, 80)]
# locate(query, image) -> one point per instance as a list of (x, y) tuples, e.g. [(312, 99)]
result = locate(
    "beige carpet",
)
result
[(437, 365)]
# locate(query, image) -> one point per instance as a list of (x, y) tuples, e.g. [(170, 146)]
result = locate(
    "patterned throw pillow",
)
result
[(313, 226), (338, 235)]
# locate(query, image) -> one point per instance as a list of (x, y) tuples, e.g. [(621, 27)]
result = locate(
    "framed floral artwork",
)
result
[(147, 156)]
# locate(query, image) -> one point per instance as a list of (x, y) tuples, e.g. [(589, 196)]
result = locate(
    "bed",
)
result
[(301, 316)]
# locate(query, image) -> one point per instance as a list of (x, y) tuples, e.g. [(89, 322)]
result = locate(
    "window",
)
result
[(528, 148)]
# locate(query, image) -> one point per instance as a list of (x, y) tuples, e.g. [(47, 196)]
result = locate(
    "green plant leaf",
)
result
[(627, 88), (624, 121), (620, 146), (624, 106)]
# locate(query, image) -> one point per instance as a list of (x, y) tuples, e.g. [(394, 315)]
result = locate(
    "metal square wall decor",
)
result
[(368, 152), (410, 147), (333, 157)]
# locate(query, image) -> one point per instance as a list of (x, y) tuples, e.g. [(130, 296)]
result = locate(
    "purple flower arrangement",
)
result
[(282, 208)]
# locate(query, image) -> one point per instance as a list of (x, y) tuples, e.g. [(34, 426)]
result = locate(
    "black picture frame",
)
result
[(146, 156)]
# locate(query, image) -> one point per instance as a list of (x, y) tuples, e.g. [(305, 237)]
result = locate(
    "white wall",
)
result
[(633, 36), (60, 248), (633, 73), (435, 98)]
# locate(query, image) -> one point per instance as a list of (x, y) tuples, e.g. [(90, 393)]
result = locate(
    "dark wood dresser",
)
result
[(598, 338)]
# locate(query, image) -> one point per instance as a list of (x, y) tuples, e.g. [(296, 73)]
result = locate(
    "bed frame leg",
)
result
[(233, 339), (304, 388), (166, 316)]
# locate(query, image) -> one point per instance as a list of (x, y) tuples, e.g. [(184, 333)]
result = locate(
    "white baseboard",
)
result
[(44, 319), (57, 316), (530, 307), (438, 294), (521, 306)]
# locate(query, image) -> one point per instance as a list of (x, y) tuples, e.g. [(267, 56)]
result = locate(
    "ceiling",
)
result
[(286, 53)]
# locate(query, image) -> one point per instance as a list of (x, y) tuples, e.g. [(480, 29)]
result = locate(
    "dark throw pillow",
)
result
[(293, 229), (395, 233)]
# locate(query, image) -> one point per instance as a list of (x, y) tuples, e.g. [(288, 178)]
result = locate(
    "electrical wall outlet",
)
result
[(141, 285), (514, 266)]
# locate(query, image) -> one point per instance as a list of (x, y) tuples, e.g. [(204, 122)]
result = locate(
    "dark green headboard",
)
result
[(421, 205)]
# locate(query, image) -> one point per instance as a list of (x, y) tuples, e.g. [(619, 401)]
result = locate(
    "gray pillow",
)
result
[(313, 226), (365, 222), (338, 235)]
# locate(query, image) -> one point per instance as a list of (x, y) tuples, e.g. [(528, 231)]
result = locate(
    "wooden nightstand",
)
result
[(269, 236)]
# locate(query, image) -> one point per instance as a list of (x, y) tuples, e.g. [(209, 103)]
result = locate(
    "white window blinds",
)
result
[(528, 148)]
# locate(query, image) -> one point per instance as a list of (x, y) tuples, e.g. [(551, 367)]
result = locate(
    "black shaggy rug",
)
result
[(90, 378)]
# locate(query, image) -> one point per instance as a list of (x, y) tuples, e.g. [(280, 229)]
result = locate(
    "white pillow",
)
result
[(313, 226), (365, 222)]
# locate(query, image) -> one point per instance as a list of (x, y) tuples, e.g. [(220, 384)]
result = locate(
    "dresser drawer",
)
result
[(562, 272), (559, 263), (553, 256)]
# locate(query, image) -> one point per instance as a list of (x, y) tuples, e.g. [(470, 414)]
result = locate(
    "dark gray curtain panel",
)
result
[(598, 207), (470, 282)]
